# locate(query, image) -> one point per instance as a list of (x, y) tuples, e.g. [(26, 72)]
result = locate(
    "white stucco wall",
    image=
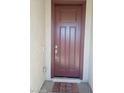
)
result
[(48, 40), (89, 42), (37, 24)]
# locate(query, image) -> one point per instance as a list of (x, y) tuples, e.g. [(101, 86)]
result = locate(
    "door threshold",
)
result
[(67, 80)]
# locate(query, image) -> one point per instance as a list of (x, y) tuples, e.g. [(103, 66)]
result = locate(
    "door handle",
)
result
[(56, 46), (56, 51)]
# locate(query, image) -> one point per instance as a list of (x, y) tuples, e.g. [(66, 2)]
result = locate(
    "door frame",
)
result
[(53, 4)]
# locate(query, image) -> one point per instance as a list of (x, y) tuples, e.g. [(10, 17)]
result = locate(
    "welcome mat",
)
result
[(60, 87)]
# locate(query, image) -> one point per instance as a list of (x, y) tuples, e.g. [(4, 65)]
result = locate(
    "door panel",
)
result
[(67, 41)]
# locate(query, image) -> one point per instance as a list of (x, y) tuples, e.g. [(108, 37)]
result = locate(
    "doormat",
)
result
[(60, 87)]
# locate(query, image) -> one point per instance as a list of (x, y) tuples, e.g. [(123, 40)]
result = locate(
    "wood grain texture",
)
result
[(68, 29), (67, 39)]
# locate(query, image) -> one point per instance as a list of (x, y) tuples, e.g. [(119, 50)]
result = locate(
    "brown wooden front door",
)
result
[(67, 41)]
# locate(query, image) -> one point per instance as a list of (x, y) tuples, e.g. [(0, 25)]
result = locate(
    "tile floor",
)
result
[(48, 85)]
